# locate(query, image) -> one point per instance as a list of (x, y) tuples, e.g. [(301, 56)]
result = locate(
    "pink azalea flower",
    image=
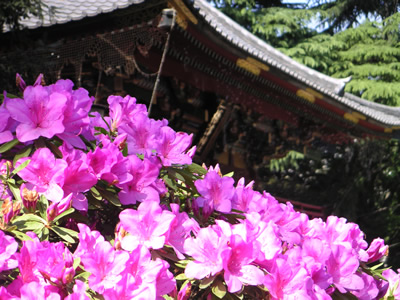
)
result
[(124, 110), (127, 289), (36, 291), (76, 113), (142, 133), (342, 266), (172, 146), (141, 187), (105, 265), (6, 123), (180, 230), (377, 250), (370, 289), (394, 283), (246, 200), (77, 178), (237, 260), (79, 292), (57, 208), (88, 240), (216, 192), (45, 172), (206, 250), (8, 249), (286, 281), (149, 225), (40, 113)]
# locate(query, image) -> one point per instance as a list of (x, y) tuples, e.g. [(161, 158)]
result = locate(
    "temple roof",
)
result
[(64, 11), (318, 90)]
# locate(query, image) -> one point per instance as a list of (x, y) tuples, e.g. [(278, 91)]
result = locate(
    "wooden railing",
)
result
[(313, 211)]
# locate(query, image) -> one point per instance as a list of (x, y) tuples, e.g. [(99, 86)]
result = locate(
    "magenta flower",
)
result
[(377, 250), (206, 250), (216, 192), (246, 200), (127, 289), (53, 261), (77, 180), (237, 260), (57, 208), (394, 283), (88, 240), (124, 110), (79, 292), (40, 113), (172, 146), (180, 230), (6, 123), (45, 172), (143, 134), (76, 113), (149, 225), (142, 186), (8, 248), (105, 265), (286, 281), (342, 266)]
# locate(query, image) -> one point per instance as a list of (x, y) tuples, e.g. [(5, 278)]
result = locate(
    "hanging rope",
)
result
[(166, 13)]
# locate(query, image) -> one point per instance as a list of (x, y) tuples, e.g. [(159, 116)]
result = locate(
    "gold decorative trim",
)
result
[(314, 92), (252, 65), (358, 115), (306, 95), (351, 117), (388, 130), (244, 64), (258, 64), (183, 13)]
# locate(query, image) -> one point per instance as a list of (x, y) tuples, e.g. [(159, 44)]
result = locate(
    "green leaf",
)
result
[(181, 276), (77, 262), (14, 190), (24, 152), (21, 236), (7, 146), (83, 276), (34, 226), (219, 289), (110, 197), (28, 218), (102, 130), (229, 174), (196, 169), (170, 182), (64, 233), (206, 282), (20, 167), (95, 193), (42, 206), (63, 214)]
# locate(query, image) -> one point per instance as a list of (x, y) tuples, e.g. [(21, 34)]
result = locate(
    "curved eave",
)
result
[(324, 90), (65, 11)]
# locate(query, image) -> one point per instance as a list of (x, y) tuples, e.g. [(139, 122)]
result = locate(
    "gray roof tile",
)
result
[(74, 10)]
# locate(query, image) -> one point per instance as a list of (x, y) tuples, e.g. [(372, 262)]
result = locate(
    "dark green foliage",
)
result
[(11, 11), (359, 182), (369, 53)]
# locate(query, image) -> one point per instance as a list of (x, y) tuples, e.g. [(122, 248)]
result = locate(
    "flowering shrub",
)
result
[(112, 207)]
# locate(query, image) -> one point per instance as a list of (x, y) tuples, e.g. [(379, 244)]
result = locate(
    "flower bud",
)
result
[(29, 197), (7, 211)]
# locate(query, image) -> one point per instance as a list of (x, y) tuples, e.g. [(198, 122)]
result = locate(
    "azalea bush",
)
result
[(112, 207)]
